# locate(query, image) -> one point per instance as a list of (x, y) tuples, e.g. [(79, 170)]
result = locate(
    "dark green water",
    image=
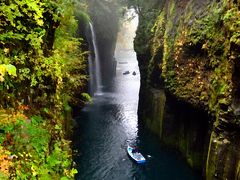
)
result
[(110, 123)]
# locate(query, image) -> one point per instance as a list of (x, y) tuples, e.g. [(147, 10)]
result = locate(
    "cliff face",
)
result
[(188, 53), (104, 15)]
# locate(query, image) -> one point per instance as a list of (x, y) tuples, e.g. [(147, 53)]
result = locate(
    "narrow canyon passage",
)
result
[(110, 123)]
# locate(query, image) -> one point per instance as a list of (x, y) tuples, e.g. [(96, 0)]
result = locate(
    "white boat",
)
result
[(136, 156)]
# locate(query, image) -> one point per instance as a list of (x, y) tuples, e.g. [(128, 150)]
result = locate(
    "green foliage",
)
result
[(38, 45), (37, 39), (33, 157), (17, 17), (200, 60), (205, 31), (23, 30), (213, 36), (144, 32), (168, 43), (2, 176), (191, 49), (81, 8), (7, 69), (86, 97), (231, 21), (42, 71), (218, 33), (157, 45)]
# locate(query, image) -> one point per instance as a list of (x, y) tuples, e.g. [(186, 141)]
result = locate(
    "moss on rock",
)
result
[(191, 50)]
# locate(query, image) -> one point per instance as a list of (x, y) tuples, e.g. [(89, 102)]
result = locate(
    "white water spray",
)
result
[(94, 65)]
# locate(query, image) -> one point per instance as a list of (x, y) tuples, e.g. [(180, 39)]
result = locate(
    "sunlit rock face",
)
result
[(190, 49), (127, 31)]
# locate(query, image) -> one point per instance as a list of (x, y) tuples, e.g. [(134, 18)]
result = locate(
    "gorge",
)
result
[(78, 84), (110, 123), (188, 58)]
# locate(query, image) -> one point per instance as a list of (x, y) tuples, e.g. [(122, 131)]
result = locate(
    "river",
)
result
[(107, 125)]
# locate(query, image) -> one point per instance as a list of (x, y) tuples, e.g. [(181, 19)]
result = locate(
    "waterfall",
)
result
[(92, 83), (94, 65)]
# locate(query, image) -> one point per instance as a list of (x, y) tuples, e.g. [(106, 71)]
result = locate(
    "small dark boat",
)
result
[(126, 72), (135, 155)]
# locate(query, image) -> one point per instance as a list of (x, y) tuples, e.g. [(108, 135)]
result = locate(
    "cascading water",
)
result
[(94, 65)]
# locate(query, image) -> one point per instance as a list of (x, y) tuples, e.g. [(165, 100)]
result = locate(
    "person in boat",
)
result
[(134, 150)]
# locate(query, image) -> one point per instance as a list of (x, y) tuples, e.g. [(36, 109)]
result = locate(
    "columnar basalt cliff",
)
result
[(188, 53)]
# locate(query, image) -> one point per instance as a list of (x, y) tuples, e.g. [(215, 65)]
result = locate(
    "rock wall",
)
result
[(188, 53), (104, 15)]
